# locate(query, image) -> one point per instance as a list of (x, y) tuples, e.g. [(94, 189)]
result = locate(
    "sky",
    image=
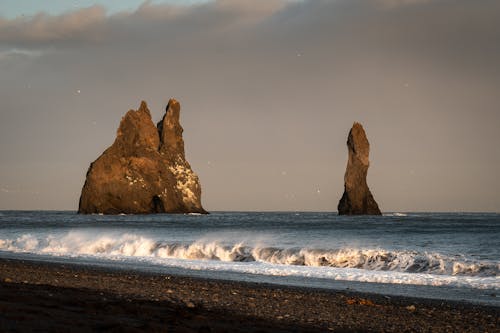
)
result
[(269, 90)]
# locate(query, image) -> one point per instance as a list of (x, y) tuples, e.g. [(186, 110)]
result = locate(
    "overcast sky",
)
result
[(269, 90)]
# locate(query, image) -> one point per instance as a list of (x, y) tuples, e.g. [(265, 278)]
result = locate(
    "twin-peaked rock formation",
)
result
[(357, 198), (144, 170)]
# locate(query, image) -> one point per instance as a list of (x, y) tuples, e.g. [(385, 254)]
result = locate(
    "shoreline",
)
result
[(61, 294)]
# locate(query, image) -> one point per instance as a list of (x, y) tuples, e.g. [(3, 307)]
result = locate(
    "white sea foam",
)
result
[(353, 264), (395, 214), (333, 273)]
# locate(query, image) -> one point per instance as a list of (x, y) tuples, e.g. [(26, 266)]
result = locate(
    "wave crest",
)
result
[(130, 245)]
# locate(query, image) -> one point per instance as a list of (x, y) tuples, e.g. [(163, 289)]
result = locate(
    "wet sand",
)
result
[(70, 298)]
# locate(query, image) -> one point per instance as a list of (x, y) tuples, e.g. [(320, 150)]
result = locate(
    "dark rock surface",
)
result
[(357, 198), (145, 169)]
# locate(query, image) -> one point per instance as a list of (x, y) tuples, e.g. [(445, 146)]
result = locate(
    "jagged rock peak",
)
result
[(357, 198), (144, 170), (170, 130), (358, 144), (137, 130)]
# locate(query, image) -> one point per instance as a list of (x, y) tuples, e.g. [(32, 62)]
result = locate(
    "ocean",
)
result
[(452, 256)]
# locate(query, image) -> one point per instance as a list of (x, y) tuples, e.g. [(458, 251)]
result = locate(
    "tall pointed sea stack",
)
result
[(145, 169), (357, 198)]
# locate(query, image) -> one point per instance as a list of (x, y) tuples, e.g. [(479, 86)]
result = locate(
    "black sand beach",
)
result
[(61, 298)]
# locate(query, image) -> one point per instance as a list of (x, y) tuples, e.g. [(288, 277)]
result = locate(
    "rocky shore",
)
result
[(52, 297)]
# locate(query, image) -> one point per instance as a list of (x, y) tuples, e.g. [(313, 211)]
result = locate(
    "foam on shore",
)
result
[(350, 264)]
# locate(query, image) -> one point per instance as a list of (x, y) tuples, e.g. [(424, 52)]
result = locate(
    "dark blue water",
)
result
[(451, 250)]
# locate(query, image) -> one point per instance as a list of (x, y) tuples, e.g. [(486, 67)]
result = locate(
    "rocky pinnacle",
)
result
[(144, 171), (357, 198)]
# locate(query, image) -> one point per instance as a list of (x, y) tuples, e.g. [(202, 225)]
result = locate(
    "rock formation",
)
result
[(145, 169), (357, 198)]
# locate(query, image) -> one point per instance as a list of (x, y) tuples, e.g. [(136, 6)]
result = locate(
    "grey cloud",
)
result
[(84, 24), (395, 3), (13, 53), (265, 88), (93, 25)]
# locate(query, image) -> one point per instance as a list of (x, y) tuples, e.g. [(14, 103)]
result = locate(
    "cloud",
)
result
[(13, 53), (265, 87), (395, 3), (438, 24), (93, 25), (83, 24)]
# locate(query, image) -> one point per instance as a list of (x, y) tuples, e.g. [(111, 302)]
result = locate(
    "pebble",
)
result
[(411, 308)]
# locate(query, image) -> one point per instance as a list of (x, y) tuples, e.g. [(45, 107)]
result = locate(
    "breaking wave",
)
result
[(130, 245)]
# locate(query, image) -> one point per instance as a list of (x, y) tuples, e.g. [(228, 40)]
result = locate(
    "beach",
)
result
[(68, 297), (250, 166)]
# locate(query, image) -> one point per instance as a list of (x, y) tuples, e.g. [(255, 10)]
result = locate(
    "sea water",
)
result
[(452, 256)]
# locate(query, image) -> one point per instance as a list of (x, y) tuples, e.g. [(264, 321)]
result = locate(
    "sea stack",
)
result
[(357, 198), (145, 169)]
